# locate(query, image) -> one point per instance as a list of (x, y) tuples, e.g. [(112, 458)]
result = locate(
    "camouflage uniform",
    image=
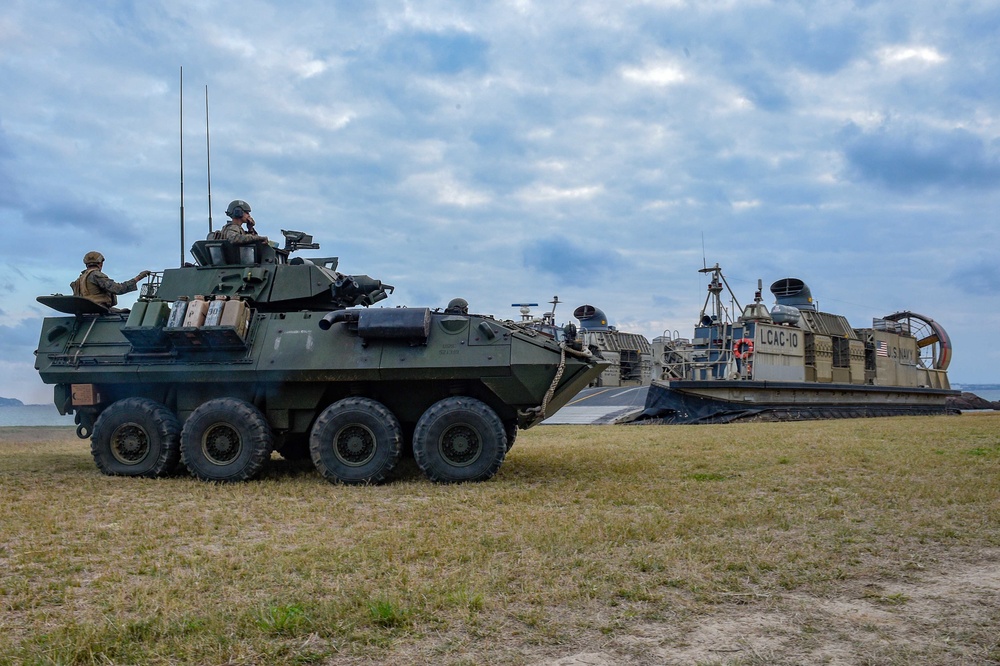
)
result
[(98, 287), (233, 232)]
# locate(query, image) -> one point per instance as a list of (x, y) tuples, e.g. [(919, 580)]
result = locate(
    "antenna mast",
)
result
[(208, 153), (182, 165)]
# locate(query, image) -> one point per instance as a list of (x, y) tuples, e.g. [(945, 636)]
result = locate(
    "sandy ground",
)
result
[(926, 620)]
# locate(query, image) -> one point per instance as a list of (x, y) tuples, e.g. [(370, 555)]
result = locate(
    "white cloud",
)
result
[(541, 193), (554, 165), (659, 74), (892, 55), (325, 117), (445, 189), (304, 65), (237, 44)]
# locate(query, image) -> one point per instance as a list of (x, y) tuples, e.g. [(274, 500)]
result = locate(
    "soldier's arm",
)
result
[(245, 239), (112, 287)]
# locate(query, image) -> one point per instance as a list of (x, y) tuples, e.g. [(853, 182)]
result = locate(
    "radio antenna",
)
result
[(208, 154), (182, 165)]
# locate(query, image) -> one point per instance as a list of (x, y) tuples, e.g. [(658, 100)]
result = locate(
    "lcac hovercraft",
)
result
[(795, 362)]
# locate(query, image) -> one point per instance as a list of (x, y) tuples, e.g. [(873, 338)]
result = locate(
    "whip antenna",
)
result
[(208, 153), (182, 166)]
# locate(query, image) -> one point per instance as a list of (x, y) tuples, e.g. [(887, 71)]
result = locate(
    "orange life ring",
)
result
[(743, 348)]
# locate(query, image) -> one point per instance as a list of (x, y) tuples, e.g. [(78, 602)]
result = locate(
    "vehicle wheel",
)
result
[(459, 439), (226, 439), (356, 440), (510, 429), (136, 437)]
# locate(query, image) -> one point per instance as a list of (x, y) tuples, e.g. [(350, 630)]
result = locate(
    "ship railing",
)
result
[(678, 359)]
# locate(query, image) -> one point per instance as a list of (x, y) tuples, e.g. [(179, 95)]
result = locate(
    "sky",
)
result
[(512, 151)]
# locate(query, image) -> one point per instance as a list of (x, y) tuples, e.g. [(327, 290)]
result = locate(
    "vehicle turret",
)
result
[(267, 278)]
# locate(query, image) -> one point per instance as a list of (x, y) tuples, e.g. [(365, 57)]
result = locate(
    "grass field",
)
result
[(869, 541)]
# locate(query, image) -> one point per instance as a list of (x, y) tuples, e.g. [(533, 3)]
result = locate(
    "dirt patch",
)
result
[(948, 615)]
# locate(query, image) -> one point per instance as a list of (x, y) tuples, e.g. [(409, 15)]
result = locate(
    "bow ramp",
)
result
[(602, 406)]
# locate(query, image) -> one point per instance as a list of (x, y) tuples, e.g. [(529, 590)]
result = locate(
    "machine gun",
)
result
[(298, 240)]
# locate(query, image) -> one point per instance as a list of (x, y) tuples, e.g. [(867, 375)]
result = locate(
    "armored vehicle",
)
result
[(248, 351), (797, 362)]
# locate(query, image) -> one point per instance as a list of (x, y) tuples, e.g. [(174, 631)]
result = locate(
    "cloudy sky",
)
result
[(514, 150)]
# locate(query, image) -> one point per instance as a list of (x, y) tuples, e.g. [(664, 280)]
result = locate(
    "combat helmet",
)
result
[(93, 258), (237, 208), (457, 306)]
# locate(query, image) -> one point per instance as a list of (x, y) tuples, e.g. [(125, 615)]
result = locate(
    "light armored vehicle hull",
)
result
[(276, 355)]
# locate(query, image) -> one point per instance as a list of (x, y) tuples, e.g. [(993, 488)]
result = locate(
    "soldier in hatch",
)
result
[(98, 287), (239, 212)]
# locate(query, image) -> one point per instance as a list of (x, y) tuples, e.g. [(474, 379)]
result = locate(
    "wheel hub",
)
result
[(460, 445), (129, 444), (222, 444), (354, 445)]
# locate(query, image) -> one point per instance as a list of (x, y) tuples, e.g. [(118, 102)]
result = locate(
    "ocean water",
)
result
[(989, 392), (34, 415)]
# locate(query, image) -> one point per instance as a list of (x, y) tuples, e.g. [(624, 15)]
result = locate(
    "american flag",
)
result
[(882, 348)]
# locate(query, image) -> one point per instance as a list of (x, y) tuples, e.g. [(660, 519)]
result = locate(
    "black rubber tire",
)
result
[(356, 441), (226, 439), (136, 437), (459, 439), (510, 429)]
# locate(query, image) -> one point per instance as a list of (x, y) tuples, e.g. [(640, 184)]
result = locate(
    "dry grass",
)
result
[(629, 544)]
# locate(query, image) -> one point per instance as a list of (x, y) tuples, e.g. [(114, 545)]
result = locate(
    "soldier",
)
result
[(457, 306), (98, 287), (239, 212)]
